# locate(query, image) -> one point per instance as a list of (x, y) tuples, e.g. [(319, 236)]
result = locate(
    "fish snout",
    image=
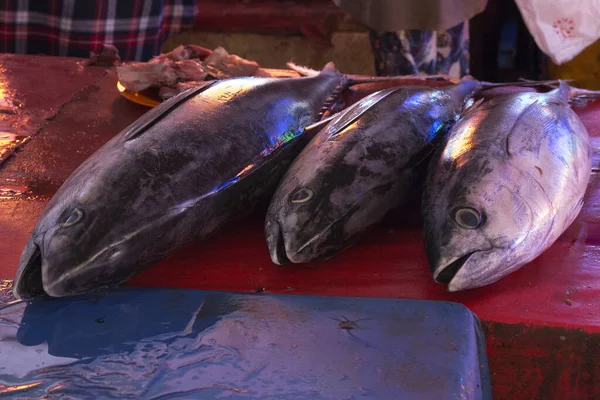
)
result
[(454, 261), (284, 248), (107, 268)]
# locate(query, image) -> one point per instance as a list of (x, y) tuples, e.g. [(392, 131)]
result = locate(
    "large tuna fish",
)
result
[(366, 161), (176, 175), (507, 183)]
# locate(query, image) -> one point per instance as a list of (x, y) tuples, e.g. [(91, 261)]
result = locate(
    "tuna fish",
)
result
[(176, 175), (507, 182), (366, 161), (197, 161)]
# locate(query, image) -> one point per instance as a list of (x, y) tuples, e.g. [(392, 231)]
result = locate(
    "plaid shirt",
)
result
[(74, 28)]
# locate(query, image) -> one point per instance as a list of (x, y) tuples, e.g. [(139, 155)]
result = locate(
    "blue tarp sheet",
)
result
[(187, 344)]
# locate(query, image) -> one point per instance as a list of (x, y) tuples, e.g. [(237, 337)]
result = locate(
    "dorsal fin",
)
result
[(328, 69), (157, 113)]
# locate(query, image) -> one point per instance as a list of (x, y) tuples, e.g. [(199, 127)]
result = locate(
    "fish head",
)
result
[(312, 213), (478, 221), (290, 224), (81, 241)]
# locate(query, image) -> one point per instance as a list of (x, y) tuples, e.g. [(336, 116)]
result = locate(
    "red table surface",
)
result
[(547, 312)]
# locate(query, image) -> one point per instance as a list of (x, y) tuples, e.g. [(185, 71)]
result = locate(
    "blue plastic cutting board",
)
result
[(184, 344)]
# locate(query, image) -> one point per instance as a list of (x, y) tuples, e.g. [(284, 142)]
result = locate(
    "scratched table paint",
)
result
[(532, 318), (163, 344)]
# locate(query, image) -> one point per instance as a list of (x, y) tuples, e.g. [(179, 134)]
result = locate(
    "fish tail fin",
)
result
[(328, 69)]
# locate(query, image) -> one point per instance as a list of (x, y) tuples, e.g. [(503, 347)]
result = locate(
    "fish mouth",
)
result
[(29, 282), (281, 253), (37, 278), (276, 243), (445, 274)]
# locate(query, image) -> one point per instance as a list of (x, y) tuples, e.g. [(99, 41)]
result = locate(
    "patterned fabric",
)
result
[(74, 28), (415, 51)]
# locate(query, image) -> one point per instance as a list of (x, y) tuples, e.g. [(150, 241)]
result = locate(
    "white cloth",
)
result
[(562, 28)]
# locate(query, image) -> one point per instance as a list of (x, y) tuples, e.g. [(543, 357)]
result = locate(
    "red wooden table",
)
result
[(542, 322)]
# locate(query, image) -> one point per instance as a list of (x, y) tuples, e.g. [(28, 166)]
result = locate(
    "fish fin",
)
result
[(519, 135), (348, 116), (402, 80), (320, 124), (471, 107), (521, 83), (332, 101), (552, 84), (533, 119), (422, 158), (566, 92), (304, 71), (329, 68), (571, 93), (575, 211), (561, 89), (157, 113), (468, 78)]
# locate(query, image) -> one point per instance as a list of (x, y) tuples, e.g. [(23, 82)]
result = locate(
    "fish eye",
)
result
[(74, 217), (468, 218), (301, 196)]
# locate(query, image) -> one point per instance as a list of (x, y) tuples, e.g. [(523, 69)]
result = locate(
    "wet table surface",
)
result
[(60, 111), (72, 109), (151, 343)]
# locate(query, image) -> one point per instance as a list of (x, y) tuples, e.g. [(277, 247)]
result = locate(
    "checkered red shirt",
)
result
[(75, 27)]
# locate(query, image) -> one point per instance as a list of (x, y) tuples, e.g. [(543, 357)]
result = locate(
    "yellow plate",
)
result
[(148, 101), (137, 97)]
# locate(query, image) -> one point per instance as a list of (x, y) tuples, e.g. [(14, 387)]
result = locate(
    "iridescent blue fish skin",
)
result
[(368, 160), (188, 166)]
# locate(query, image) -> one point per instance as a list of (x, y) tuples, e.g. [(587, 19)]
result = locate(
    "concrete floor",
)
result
[(351, 51)]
